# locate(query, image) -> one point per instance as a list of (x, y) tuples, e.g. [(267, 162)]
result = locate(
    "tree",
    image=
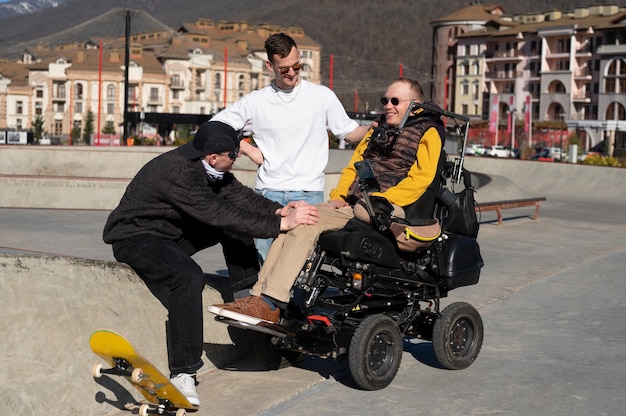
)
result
[(88, 130), (109, 127), (38, 130), (76, 132)]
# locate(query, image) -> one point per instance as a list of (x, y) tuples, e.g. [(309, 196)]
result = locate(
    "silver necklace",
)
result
[(292, 93)]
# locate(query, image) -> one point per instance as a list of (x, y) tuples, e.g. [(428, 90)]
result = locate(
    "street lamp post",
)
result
[(562, 123), (512, 130)]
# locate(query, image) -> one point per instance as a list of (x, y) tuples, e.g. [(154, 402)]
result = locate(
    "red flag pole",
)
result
[(401, 70), (100, 90)]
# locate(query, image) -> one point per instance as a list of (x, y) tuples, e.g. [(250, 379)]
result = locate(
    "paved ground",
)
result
[(551, 296)]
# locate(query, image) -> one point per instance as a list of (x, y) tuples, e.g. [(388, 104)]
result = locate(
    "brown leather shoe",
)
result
[(252, 310)]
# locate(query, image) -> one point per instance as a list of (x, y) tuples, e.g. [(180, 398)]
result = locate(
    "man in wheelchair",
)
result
[(405, 154)]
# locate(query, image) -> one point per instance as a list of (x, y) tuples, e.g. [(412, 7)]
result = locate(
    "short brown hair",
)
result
[(414, 85), (279, 44)]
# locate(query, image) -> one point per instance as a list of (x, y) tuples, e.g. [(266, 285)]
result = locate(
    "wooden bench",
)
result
[(498, 206)]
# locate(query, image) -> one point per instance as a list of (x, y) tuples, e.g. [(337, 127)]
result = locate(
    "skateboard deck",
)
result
[(125, 361)]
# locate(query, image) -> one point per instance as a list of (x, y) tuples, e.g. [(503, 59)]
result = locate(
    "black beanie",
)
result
[(211, 137)]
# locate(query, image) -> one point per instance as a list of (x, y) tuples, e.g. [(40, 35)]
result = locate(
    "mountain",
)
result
[(16, 7), (370, 40)]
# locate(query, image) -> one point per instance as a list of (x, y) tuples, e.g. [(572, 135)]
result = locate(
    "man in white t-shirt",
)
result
[(290, 120)]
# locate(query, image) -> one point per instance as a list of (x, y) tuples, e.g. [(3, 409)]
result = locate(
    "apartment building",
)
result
[(567, 67), (196, 69)]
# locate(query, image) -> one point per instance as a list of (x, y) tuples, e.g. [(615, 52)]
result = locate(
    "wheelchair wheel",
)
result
[(458, 336), (375, 352), (270, 356)]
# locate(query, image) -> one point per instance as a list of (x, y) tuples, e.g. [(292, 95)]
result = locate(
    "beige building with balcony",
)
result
[(197, 69), (557, 65)]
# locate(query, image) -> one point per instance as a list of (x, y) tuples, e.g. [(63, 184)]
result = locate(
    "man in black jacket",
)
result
[(179, 203)]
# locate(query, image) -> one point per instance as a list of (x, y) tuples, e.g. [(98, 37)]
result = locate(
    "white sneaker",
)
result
[(186, 383)]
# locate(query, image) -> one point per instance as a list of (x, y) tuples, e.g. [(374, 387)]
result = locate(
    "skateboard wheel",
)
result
[(144, 410), (181, 412), (96, 370), (137, 375)]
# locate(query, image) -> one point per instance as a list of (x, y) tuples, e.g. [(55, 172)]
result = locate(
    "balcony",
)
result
[(500, 56), (612, 49), (582, 96), (504, 75), (154, 100), (177, 85), (583, 73)]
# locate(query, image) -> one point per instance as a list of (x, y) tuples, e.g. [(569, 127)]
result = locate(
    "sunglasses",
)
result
[(233, 153), (394, 100), (284, 70)]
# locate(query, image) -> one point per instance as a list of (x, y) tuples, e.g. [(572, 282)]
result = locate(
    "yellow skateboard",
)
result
[(163, 396)]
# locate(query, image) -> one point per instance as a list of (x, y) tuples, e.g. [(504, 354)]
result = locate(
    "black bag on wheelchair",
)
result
[(459, 209)]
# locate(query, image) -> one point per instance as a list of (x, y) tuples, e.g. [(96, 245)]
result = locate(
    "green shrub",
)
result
[(599, 160)]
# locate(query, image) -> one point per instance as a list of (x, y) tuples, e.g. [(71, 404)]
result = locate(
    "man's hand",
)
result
[(299, 213), (338, 204), (286, 210)]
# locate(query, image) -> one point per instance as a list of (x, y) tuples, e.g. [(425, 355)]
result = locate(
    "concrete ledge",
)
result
[(94, 177), (52, 304)]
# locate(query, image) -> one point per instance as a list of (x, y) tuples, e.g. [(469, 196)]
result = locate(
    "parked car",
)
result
[(543, 155), (475, 150), (498, 151), (556, 153)]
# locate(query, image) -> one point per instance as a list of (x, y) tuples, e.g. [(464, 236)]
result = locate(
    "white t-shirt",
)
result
[(291, 129)]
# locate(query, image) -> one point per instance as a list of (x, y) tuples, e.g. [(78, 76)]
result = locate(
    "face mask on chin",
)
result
[(212, 172)]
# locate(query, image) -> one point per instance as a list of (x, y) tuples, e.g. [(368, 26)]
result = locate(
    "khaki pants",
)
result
[(290, 250)]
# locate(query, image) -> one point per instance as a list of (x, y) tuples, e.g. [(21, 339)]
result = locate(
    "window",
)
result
[(175, 109), (79, 91), (60, 90), (58, 128), (615, 81), (39, 92), (18, 124), (240, 83), (464, 88), (175, 94), (19, 107), (475, 68), (475, 90), (111, 92), (563, 46), (38, 108), (562, 66), (217, 84), (78, 107), (533, 46), (464, 109), (110, 108), (154, 94)]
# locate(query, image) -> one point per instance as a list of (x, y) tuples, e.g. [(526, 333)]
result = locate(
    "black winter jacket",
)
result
[(172, 197)]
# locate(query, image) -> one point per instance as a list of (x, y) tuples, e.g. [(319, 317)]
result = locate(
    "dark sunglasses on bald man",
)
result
[(284, 70), (394, 100)]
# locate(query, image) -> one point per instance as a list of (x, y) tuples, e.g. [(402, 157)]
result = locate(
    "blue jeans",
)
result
[(283, 197)]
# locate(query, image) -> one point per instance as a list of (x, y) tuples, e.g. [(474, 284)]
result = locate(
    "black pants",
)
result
[(177, 281)]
